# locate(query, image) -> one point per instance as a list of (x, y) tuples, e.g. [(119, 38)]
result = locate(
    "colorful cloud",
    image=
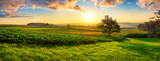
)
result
[(10, 7), (150, 4)]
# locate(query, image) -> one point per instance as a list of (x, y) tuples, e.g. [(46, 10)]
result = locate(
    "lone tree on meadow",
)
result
[(109, 26), (68, 26)]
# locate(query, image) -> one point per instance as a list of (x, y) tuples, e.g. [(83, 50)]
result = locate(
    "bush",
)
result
[(137, 35), (157, 35), (154, 34)]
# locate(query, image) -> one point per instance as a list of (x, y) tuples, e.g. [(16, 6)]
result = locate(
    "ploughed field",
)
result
[(61, 44)]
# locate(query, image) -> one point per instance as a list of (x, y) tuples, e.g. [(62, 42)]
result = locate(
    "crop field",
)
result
[(61, 44), (79, 30)]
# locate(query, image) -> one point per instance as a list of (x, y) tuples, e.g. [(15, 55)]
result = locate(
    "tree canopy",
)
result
[(152, 25), (109, 26)]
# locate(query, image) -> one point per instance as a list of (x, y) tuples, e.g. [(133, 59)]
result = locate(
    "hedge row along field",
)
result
[(10, 35)]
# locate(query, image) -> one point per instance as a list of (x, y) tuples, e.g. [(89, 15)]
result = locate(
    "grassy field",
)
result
[(11, 35), (79, 30), (27, 44)]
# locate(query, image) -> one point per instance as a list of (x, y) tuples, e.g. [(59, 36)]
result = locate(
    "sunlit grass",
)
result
[(81, 30), (117, 51), (146, 41), (11, 35), (131, 49)]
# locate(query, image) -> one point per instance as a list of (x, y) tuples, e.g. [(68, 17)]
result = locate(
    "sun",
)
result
[(88, 17)]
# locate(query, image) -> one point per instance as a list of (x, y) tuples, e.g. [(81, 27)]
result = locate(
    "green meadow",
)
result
[(75, 44)]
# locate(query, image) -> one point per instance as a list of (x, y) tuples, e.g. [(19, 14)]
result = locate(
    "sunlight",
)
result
[(88, 17)]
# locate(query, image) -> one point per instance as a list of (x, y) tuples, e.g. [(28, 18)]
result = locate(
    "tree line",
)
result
[(153, 26)]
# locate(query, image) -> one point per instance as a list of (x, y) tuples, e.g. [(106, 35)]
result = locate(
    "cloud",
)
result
[(10, 7), (129, 3), (112, 2), (5, 13), (76, 7), (150, 4), (104, 3), (56, 4)]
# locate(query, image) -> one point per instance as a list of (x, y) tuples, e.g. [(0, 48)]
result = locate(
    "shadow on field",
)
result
[(47, 44), (22, 45), (148, 39), (117, 38), (143, 49)]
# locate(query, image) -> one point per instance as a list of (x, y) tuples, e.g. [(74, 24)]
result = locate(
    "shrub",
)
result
[(157, 35), (154, 34), (137, 35)]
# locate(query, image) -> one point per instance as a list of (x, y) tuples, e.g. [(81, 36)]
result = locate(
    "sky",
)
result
[(75, 11)]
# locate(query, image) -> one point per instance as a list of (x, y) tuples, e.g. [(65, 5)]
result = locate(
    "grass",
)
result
[(107, 51), (79, 30), (145, 47), (10, 35), (131, 49), (131, 31)]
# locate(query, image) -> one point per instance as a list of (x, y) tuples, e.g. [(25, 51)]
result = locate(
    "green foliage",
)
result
[(10, 35), (153, 26), (11, 58), (137, 49), (149, 26), (109, 26), (68, 26), (134, 49), (37, 24), (154, 34)]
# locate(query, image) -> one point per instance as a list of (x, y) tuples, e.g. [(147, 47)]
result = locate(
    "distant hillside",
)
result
[(122, 24), (128, 25)]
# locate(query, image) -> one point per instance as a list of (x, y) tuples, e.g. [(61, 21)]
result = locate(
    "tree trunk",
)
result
[(109, 34)]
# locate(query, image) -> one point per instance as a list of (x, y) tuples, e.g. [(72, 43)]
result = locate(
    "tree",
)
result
[(153, 26), (139, 26), (157, 15), (158, 27), (109, 26), (68, 26)]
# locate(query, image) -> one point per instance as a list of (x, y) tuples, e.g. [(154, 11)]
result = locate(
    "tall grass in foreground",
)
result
[(134, 50), (10, 35)]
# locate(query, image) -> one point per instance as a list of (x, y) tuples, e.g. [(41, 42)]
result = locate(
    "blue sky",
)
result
[(128, 11)]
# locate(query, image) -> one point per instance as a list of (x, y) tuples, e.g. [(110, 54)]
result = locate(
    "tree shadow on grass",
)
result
[(149, 39), (117, 38), (50, 45), (146, 50)]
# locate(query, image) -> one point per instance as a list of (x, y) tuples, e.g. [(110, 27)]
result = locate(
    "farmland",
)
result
[(61, 44), (79, 30)]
